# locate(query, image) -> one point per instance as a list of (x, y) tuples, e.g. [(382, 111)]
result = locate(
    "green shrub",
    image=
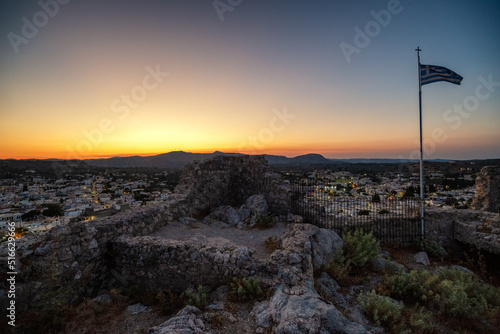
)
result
[(245, 289), (360, 247), (457, 293), (364, 212), (383, 212), (265, 220), (197, 298), (431, 247), (384, 311), (339, 267)]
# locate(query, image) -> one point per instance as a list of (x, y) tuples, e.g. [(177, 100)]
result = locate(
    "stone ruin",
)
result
[(487, 190)]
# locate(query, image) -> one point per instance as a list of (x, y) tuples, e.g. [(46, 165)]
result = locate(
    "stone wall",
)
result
[(73, 258), (230, 181), (487, 190), (156, 264)]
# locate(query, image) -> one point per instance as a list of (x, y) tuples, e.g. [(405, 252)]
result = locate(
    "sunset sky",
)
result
[(84, 79)]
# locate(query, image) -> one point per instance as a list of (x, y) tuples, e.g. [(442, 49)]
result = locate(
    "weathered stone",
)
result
[(422, 258), (307, 313), (185, 322), (256, 204), (324, 244), (225, 214), (487, 190)]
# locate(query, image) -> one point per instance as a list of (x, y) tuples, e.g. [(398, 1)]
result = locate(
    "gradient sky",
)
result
[(63, 94)]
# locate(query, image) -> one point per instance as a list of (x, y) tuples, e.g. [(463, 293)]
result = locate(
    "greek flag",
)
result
[(433, 73)]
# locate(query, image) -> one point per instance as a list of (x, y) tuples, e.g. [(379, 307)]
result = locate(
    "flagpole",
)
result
[(422, 200)]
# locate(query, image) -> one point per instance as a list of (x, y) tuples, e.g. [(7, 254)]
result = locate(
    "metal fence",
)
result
[(392, 219)]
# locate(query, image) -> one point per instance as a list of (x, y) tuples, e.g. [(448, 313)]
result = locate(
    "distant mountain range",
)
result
[(180, 159)]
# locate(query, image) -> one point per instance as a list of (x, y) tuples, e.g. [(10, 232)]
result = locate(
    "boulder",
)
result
[(324, 243), (422, 258), (223, 216), (307, 313), (256, 204), (186, 321)]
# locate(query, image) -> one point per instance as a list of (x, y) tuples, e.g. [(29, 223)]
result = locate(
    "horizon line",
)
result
[(104, 157)]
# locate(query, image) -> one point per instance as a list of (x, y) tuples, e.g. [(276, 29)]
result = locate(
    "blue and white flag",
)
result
[(433, 73)]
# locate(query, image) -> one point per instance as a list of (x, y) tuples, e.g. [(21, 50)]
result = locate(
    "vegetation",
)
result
[(198, 298), (31, 215), (383, 212), (359, 248), (364, 213), (431, 247), (384, 311), (53, 210), (245, 289), (450, 294), (265, 220), (271, 244)]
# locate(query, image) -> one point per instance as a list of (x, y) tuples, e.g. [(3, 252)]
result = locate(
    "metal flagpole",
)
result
[(422, 200)]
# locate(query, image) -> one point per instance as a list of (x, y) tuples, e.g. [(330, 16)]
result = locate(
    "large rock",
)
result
[(185, 322), (256, 204), (307, 313), (324, 244), (487, 190), (223, 216)]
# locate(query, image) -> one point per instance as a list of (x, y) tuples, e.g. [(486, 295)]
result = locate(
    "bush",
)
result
[(339, 267), (265, 220), (197, 298), (360, 247), (383, 212), (384, 311), (431, 247), (245, 289), (455, 292)]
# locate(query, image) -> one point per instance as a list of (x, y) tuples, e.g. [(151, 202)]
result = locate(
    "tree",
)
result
[(53, 210), (30, 215)]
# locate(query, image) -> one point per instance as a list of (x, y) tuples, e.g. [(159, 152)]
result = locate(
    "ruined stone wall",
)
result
[(487, 190), (156, 264), (230, 181), (72, 259)]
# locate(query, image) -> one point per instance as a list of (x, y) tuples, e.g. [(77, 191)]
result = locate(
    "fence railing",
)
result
[(392, 219)]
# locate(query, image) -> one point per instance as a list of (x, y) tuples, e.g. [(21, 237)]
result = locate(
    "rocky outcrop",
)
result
[(306, 313), (487, 190), (187, 321)]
